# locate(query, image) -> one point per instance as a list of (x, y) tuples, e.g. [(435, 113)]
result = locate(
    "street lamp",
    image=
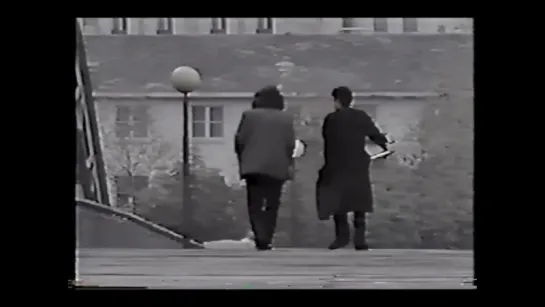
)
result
[(185, 80)]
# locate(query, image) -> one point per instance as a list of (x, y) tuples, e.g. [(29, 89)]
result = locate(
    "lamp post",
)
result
[(185, 80)]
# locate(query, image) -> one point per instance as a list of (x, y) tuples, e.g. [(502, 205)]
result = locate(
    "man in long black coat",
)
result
[(344, 183), (264, 144)]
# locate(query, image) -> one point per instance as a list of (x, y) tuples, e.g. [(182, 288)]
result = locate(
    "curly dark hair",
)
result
[(268, 97)]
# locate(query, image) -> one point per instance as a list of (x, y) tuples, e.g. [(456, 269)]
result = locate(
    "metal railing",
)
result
[(91, 174)]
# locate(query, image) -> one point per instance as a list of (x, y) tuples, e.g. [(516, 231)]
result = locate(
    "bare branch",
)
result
[(133, 156)]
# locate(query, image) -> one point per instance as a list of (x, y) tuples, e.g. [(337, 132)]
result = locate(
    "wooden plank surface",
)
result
[(281, 268)]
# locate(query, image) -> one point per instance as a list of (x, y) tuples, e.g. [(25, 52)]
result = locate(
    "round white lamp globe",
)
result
[(186, 79)]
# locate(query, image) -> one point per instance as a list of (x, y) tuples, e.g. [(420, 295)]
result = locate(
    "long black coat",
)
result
[(344, 183), (265, 139)]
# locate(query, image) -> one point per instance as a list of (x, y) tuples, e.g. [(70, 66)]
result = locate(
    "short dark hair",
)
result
[(268, 90), (342, 94), (268, 97)]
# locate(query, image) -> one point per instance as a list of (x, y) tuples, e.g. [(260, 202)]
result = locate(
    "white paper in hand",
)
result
[(299, 149), (381, 154)]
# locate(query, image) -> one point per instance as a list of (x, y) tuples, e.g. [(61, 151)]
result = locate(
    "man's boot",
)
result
[(259, 227), (360, 241), (342, 232), (262, 241)]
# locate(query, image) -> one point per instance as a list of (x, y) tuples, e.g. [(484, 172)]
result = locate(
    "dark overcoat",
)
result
[(265, 139), (344, 183)]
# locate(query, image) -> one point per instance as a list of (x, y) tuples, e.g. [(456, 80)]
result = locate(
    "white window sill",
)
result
[(196, 140)]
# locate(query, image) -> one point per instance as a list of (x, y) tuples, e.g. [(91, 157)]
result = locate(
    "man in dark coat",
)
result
[(344, 183), (264, 144)]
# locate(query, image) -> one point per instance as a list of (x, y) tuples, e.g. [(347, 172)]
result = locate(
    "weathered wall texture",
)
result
[(424, 196)]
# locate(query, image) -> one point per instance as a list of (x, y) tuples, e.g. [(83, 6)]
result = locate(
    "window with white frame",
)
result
[(165, 26), (218, 25), (120, 26), (410, 25), (265, 25), (380, 24), (127, 187), (132, 122), (207, 122)]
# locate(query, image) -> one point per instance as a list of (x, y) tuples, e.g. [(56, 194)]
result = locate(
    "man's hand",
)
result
[(382, 155)]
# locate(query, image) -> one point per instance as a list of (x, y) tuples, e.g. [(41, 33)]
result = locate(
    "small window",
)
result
[(348, 23), (132, 122), (265, 25), (410, 25), (164, 26), (207, 122), (218, 26), (120, 26), (380, 24)]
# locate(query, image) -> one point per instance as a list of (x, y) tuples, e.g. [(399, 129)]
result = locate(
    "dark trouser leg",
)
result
[(360, 228), (342, 231), (256, 199), (273, 190)]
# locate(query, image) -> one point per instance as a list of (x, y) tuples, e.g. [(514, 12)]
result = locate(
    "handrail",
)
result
[(89, 140), (98, 207)]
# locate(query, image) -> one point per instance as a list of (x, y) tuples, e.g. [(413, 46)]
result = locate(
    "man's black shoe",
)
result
[(361, 247), (262, 246), (337, 244)]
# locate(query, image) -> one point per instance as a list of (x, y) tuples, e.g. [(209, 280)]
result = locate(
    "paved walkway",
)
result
[(282, 268)]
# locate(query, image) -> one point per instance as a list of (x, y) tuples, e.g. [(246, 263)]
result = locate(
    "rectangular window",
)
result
[(218, 26), (132, 122), (265, 25), (380, 24), (164, 26), (120, 26), (348, 22), (207, 122), (410, 25)]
